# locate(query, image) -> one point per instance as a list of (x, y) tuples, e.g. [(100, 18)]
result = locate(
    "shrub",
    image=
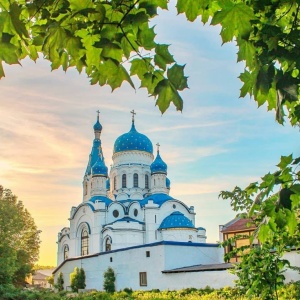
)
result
[(60, 282), (109, 280), (77, 279)]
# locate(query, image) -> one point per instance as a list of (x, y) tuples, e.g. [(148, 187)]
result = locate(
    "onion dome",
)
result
[(133, 140), (158, 166), (176, 220), (99, 168), (97, 126), (168, 183)]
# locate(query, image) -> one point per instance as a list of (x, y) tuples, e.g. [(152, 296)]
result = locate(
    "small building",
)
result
[(239, 226)]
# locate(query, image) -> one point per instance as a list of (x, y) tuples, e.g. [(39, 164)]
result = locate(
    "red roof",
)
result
[(239, 225)]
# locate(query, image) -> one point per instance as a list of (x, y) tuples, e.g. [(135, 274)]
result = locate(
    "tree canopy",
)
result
[(112, 41), (19, 239)]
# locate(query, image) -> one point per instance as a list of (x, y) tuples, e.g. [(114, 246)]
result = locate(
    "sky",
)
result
[(218, 142)]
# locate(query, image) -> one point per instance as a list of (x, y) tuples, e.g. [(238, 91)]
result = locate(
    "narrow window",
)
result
[(146, 182), (84, 242), (66, 252), (110, 259), (115, 182), (107, 244), (143, 278), (85, 188), (155, 219), (147, 253), (156, 234), (135, 180), (124, 181)]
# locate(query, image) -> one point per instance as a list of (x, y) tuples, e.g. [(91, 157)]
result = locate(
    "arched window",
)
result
[(124, 181), (107, 244), (135, 180), (115, 182), (84, 242), (146, 181), (66, 252)]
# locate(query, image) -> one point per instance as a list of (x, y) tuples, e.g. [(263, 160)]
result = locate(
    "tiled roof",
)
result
[(239, 224), (201, 268)]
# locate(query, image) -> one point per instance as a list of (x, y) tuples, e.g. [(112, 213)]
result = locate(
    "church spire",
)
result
[(97, 127)]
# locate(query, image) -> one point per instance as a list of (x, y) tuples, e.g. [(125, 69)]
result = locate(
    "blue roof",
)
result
[(133, 140), (99, 168), (158, 165), (97, 126), (176, 220), (158, 199), (96, 150), (104, 199)]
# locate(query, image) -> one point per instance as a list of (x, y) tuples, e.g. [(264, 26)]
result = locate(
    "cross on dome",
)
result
[(158, 145), (98, 112), (133, 113)]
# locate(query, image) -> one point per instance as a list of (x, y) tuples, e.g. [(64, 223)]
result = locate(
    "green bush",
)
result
[(109, 281)]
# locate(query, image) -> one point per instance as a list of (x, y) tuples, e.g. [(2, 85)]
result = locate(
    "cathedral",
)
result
[(128, 221)]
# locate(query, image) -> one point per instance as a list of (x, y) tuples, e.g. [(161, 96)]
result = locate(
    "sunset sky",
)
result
[(217, 142)]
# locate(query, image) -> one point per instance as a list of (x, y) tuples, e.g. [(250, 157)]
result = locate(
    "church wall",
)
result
[(128, 263), (181, 256)]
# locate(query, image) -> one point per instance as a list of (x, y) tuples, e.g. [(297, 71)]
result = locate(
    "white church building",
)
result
[(128, 221)]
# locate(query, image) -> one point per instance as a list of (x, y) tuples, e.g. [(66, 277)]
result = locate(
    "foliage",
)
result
[(113, 41), (274, 206), (77, 279), (60, 282), (109, 280), (19, 239), (50, 280), (290, 291)]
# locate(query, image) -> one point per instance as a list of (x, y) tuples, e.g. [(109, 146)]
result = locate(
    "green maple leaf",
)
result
[(264, 233), (246, 52), (248, 79), (189, 7), (140, 67), (176, 76), (19, 26), (111, 73), (129, 44), (54, 41), (145, 37), (162, 56), (150, 81), (235, 20), (285, 161), (8, 53), (167, 94)]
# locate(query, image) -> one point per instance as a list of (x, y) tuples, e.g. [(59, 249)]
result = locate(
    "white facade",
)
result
[(126, 211)]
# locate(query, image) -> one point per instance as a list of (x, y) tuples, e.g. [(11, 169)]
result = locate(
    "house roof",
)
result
[(238, 224), (39, 276)]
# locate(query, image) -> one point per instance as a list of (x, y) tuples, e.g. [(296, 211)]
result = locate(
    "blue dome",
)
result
[(99, 168), (97, 125), (133, 140), (168, 183), (176, 220), (158, 165)]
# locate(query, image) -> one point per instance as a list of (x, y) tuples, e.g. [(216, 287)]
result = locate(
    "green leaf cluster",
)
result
[(110, 40), (273, 205), (19, 240), (109, 281), (77, 279)]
